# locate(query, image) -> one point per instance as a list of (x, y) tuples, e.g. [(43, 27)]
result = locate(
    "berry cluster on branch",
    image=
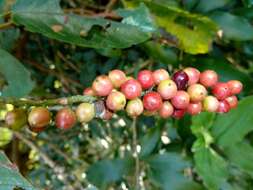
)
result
[(152, 93)]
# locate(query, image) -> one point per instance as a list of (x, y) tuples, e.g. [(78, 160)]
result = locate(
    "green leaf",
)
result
[(167, 172), (234, 27), (195, 33), (229, 129), (105, 172), (47, 18), (226, 71), (211, 167), (205, 6), (10, 176), (241, 155), (5, 136), (17, 76), (149, 141)]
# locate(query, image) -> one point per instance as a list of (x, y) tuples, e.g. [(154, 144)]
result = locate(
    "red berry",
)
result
[(194, 108), (210, 104), (193, 75), (181, 79), (39, 117), (85, 112), (167, 89), (131, 89), (235, 86), (16, 119), (208, 78), (65, 118), (232, 101), (221, 90), (134, 107), (181, 100), (152, 101), (116, 101), (145, 78), (178, 113), (166, 110), (197, 92), (117, 77), (223, 107), (159, 75), (89, 92), (107, 115), (102, 85), (37, 129)]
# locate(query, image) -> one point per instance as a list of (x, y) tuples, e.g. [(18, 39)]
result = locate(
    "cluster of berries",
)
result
[(186, 91)]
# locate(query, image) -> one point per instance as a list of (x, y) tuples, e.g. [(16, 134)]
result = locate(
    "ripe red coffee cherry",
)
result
[(89, 92), (102, 85), (197, 92), (223, 107), (145, 78), (37, 129), (65, 118), (232, 101), (181, 79), (181, 100), (16, 119), (178, 113), (134, 107), (85, 112), (194, 108), (159, 75), (107, 115), (221, 91), (117, 77), (235, 86), (210, 104), (152, 101), (208, 78), (39, 117), (131, 89), (166, 110), (167, 89), (116, 101), (193, 75)]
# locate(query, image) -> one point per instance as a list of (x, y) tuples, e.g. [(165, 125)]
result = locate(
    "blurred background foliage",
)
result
[(52, 48)]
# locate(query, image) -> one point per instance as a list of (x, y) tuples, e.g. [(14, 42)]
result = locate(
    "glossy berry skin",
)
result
[(145, 78), (193, 75), (159, 75), (16, 119), (166, 110), (210, 104), (65, 118), (134, 107), (116, 101), (152, 101), (232, 101), (39, 117), (181, 79), (223, 107), (107, 115), (194, 108), (131, 89), (36, 129), (102, 85), (221, 91), (181, 100), (117, 77), (197, 92), (89, 92), (167, 89), (178, 113), (85, 112), (208, 78), (235, 86)]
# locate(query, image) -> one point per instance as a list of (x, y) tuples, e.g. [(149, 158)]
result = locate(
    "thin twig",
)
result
[(135, 154), (6, 25), (110, 5)]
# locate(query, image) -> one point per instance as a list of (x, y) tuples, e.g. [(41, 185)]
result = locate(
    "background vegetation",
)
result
[(52, 48)]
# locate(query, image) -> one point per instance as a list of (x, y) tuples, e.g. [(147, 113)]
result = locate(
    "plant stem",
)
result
[(135, 154), (48, 102), (5, 25)]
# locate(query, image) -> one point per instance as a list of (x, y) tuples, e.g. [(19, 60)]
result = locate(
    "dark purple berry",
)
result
[(181, 79)]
